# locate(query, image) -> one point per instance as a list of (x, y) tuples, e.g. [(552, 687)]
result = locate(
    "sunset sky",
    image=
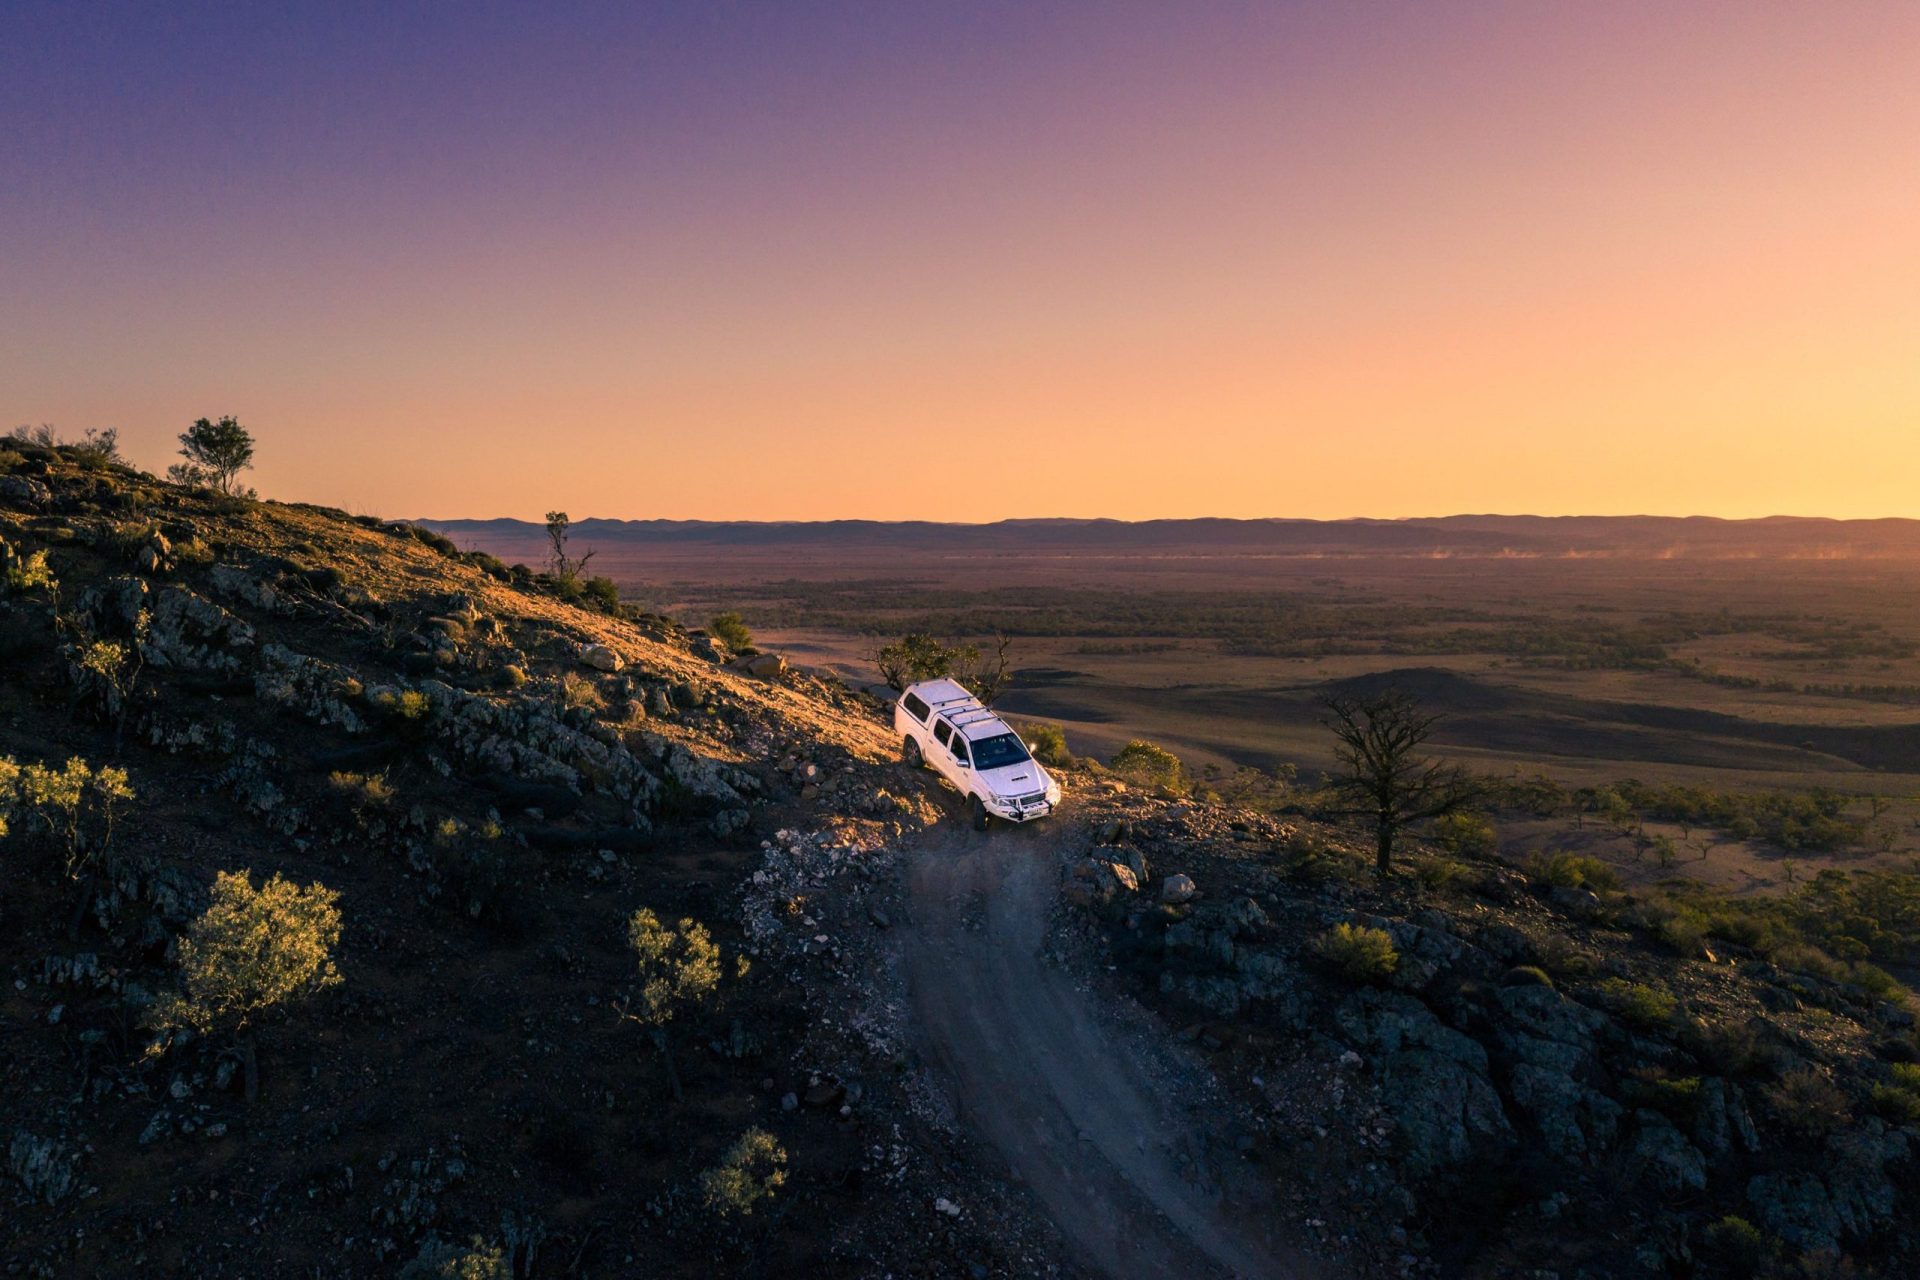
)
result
[(810, 260)]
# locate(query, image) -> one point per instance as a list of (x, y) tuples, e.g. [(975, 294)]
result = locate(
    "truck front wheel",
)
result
[(978, 812), (910, 754)]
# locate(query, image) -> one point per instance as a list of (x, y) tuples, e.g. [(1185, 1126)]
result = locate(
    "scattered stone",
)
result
[(1177, 889)]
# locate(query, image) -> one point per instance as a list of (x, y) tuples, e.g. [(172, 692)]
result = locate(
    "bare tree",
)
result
[(1384, 775), (565, 567)]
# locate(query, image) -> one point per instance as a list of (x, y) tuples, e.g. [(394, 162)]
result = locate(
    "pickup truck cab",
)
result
[(943, 725)]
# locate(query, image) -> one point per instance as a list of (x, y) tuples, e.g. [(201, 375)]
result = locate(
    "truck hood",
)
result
[(1013, 780)]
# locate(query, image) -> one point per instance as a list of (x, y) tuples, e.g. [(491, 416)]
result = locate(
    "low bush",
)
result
[(1526, 975), (752, 1170), (444, 1260), (731, 630), (1806, 1102), (1575, 871), (1728, 1048), (1150, 765), (1676, 1097), (364, 792), (1358, 953), (1740, 1248), (1048, 742), (1465, 835), (1644, 1007), (577, 693), (251, 952), (1899, 1099), (602, 593)]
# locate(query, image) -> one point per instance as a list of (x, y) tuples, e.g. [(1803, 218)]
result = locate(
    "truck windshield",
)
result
[(999, 751)]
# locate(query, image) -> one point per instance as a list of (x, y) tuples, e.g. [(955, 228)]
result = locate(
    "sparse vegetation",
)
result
[(253, 951), (1358, 953)]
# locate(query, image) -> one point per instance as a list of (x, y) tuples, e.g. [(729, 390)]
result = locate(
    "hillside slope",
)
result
[(1011, 1055), (347, 704)]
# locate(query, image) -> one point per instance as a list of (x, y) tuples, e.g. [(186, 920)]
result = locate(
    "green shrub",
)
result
[(1673, 1096), (1048, 742), (1808, 1103), (1575, 871), (1438, 875), (577, 693), (1647, 1008), (76, 807), (406, 705), (751, 1171), (602, 593), (252, 951), (1738, 1246), (364, 792), (1560, 956), (1526, 975), (1728, 1048), (1358, 953), (444, 1260), (1465, 835), (1146, 764), (1899, 1099), (731, 630)]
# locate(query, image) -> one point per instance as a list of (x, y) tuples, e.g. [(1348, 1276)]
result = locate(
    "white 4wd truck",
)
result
[(943, 725)]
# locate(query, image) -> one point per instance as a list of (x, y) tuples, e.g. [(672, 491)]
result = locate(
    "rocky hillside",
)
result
[(492, 782), (647, 959), (1500, 1075)]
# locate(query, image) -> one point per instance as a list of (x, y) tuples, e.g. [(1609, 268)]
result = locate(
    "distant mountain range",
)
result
[(1638, 537)]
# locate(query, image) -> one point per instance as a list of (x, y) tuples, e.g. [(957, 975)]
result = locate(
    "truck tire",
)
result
[(978, 813), (910, 753)]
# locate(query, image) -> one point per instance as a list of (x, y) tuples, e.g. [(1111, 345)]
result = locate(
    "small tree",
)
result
[(253, 951), (731, 630), (1383, 773), (216, 453), (565, 567), (679, 969), (918, 656), (751, 1171)]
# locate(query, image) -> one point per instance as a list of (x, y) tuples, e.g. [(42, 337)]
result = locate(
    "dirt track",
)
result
[(1109, 1125)]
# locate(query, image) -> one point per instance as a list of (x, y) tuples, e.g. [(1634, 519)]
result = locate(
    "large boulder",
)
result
[(600, 657)]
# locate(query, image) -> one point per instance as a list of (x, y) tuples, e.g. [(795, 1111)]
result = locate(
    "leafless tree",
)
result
[(1384, 775)]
